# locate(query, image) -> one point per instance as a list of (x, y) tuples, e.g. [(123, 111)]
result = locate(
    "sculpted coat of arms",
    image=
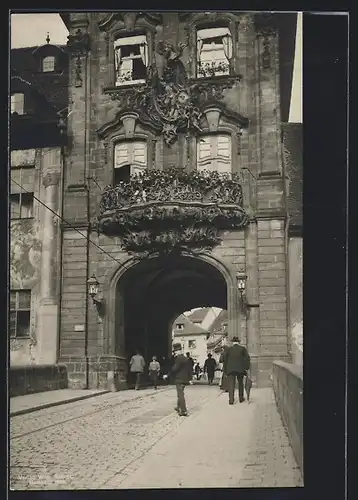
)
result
[(167, 98), (172, 101)]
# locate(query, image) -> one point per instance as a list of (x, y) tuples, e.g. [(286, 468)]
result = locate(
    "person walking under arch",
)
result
[(192, 367), (154, 370), (197, 371), (236, 364), (137, 365), (209, 368), (181, 372)]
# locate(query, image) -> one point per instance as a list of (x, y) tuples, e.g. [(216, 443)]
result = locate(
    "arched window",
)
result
[(129, 158), (48, 64), (17, 103), (214, 153), (131, 59), (214, 52)]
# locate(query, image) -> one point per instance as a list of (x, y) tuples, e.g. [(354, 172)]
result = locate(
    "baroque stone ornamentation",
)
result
[(266, 28), (172, 210), (167, 99), (78, 46)]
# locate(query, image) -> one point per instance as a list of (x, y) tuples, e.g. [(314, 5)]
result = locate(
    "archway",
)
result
[(151, 293)]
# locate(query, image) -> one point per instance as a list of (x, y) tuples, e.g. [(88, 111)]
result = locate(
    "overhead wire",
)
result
[(68, 223)]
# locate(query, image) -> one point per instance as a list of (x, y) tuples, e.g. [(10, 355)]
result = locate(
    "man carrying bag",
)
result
[(236, 365)]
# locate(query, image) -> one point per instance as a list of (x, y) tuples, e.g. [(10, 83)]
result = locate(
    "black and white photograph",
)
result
[(156, 250)]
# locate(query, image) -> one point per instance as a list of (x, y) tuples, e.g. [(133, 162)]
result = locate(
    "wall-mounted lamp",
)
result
[(93, 287), (241, 279)]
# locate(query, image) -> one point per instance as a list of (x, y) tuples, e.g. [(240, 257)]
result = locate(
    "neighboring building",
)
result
[(192, 338), (207, 92), (218, 333), (39, 92), (292, 141), (204, 317)]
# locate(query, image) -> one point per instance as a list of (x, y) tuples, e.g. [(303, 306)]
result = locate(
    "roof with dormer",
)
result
[(199, 315), (25, 66), (188, 329)]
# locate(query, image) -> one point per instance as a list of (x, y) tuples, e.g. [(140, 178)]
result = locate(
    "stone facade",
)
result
[(247, 109), (34, 252)]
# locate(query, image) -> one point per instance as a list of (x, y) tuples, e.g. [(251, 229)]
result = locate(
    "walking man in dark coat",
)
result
[(181, 371), (192, 366), (209, 368), (236, 364)]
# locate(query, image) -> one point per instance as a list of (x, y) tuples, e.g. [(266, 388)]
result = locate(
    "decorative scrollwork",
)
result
[(78, 45), (266, 27), (172, 210)]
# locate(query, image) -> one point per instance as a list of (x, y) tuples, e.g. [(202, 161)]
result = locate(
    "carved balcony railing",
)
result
[(208, 70), (172, 210)]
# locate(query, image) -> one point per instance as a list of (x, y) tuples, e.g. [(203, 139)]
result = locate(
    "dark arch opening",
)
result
[(151, 294)]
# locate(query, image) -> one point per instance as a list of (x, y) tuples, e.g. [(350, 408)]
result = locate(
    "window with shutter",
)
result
[(214, 153), (130, 158), (214, 52), (131, 60)]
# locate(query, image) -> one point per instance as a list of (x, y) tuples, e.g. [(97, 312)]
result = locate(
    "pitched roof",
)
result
[(292, 143), (217, 324), (54, 86), (189, 327), (199, 315)]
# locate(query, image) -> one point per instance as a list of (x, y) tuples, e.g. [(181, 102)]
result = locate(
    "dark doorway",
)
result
[(153, 292)]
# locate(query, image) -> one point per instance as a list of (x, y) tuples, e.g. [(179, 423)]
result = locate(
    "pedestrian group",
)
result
[(234, 364)]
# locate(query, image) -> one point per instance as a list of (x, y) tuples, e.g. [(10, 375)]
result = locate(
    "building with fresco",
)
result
[(153, 174)]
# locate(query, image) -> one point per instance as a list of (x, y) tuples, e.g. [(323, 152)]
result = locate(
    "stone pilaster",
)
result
[(252, 298), (80, 104), (233, 309), (47, 331), (268, 83)]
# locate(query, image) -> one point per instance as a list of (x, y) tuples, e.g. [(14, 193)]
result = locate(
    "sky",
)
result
[(41, 24)]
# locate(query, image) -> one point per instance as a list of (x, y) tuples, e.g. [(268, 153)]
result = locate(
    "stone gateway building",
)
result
[(151, 177)]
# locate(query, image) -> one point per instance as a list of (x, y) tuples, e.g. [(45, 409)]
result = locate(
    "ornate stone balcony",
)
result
[(172, 210)]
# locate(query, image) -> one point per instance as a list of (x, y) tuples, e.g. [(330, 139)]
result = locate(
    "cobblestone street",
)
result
[(135, 439)]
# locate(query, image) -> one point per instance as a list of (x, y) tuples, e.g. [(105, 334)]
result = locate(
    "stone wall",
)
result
[(28, 244), (288, 387), (37, 378), (295, 257)]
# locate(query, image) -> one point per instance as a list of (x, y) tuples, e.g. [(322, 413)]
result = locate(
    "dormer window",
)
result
[(180, 326), (131, 59), (130, 158), (214, 52), (17, 103), (214, 153), (48, 64)]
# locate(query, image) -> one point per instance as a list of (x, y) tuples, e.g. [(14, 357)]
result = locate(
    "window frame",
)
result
[(190, 346), (216, 158), (205, 20), (227, 61), (128, 162), (117, 47), (53, 58), (14, 112), (18, 310), (21, 195)]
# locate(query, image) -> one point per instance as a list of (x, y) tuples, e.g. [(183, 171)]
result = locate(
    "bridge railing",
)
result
[(288, 387)]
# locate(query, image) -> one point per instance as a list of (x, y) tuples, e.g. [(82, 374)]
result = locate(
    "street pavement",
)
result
[(135, 439)]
